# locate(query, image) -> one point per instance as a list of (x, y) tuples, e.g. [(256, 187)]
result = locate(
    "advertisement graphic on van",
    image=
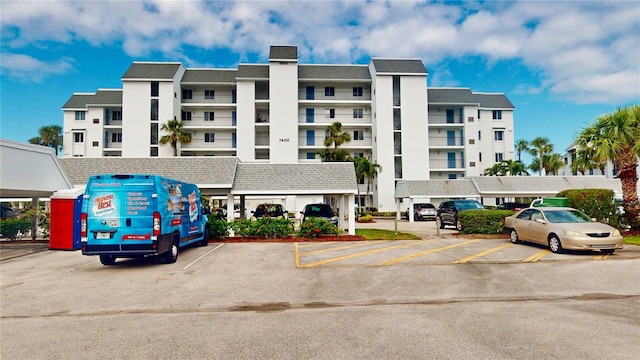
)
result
[(140, 215)]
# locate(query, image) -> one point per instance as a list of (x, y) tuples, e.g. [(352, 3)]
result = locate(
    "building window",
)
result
[(311, 155), (498, 135), (116, 115), (358, 135), (497, 114), (478, 114), (116, 137), (95, 144), (155, 88), (80, 115), (154, 109), (209, 94), (357, 91), (154, 134), (332, 113), (357, 113), (78, 137), (208, 116), (187, 94), (329, 91), (358, 154), (499, 157), (209, 137), (186, 116), (479, 157), (479, 135), (153, 152)]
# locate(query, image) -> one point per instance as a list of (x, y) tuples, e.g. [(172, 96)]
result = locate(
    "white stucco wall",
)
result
[(383, 143), (245, 116), (283, 112)]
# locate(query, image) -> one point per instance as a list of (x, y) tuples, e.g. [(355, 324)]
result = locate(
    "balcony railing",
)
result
[(319, 142), (109, 122), (446, 164), (217, 121), (218, 99), (338, 95), (443, 119), (112, 145), (443, 141), (325, 119), (217, 144)]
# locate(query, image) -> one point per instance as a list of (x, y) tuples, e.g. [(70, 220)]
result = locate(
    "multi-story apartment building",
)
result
[(279, 112)]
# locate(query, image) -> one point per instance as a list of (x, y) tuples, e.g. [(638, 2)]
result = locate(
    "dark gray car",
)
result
[(448, 211)]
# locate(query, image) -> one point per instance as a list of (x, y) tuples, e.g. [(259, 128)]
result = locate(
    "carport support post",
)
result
[(351, 214), (230, 211)]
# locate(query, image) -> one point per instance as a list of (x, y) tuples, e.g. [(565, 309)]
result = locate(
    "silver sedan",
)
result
[(562, 228)]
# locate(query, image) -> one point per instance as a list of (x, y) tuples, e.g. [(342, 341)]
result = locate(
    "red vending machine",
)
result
[(64, 231)]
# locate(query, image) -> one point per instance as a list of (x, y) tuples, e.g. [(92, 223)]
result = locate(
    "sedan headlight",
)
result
[(574, 233), (616, 232)]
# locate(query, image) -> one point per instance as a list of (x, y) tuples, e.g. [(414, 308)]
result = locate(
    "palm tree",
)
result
[(176, 134), (50, 136), (515, 167), (498, 169), (540, 147), (335, 137), (521, 145), (552, 164), (370, 171), (616, 137)]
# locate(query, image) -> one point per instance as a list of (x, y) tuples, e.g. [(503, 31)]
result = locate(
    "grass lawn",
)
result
[(376, 234), (633, 240)]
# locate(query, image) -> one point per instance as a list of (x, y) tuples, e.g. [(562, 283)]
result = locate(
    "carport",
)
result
[(479, 187), (229, 177)]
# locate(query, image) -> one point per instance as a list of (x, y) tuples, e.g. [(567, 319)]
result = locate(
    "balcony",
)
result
[(114, 123), (338, 95), (325, 120), (448, 164), (318, 142), (446, 141), (199, 121), (199, 98), (221, 144), (456, 120), (112, 145)]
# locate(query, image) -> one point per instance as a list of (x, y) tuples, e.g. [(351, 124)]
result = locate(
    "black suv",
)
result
[(448, 211)]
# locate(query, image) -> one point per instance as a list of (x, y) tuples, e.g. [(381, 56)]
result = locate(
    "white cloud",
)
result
[(582, 51), (28, 69)]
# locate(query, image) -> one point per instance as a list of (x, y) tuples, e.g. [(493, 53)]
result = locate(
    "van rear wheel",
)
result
[(205, 238), (171, 255), (107, 259)]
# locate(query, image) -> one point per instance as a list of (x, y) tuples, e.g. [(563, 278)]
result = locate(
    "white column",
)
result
[(351, 214)]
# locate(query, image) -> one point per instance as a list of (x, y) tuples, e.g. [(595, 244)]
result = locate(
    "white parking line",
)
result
[(203, 255), (79, 267)]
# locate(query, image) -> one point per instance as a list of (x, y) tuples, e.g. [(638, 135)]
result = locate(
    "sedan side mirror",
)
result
[(541, 221)]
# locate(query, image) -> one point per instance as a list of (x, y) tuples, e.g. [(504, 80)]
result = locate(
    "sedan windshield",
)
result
[(566, 216), (319, 211)]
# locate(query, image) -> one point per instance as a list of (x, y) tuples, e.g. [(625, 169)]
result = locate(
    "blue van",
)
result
[(140, 215)]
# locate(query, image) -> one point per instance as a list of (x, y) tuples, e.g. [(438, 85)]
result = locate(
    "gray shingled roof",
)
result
[(466, 96), (399, 66), (158, 71), (206, 172), (283, 52), (336, 72), (502, 186), (246, 71), (209, 76), (106, 97), (78, 101), (292, 179)]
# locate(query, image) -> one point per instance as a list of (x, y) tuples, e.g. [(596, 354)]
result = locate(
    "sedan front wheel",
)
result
[(513, 235), (554, 244)]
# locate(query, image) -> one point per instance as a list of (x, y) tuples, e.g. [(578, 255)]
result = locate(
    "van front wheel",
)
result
[(171, 256)]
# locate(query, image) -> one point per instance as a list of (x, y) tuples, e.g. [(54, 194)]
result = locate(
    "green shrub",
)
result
[(483, 221), (263, 227), (314, 227), (218, 228), (596, 203), (9, 228)]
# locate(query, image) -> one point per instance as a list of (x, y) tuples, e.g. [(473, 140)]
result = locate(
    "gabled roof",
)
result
[(292, 179), (399, 66), (207, 172), (155, 71), (253, 72), (464, 96), (106, 97), (78, 101), (502, 186), (279, 52), (334, 72), (209, 76)]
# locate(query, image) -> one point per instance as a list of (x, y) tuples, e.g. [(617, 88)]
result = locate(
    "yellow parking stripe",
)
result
[(320, 243), (351, 256), (426, 252), (480, 254), (537, 256), (341, 247), (601, 257)]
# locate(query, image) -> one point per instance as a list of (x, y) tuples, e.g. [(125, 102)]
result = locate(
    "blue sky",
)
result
[(561, 63)]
